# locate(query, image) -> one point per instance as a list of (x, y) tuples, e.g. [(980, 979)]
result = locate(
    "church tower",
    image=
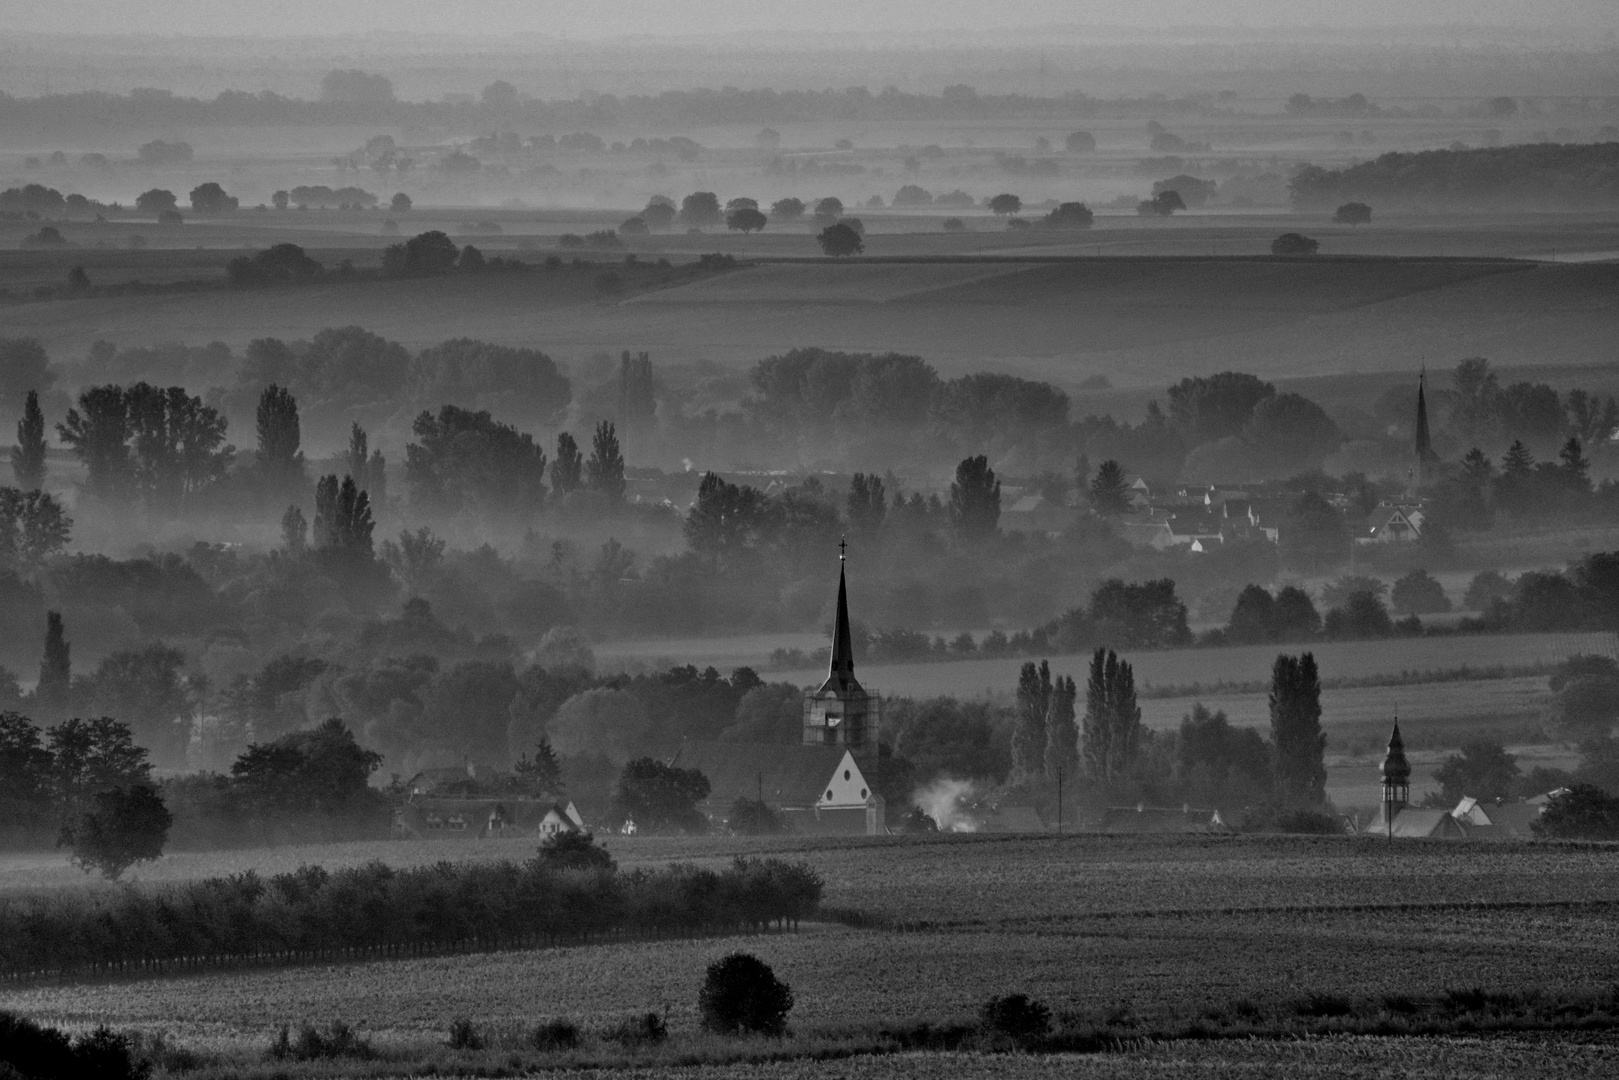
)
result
[(1424, 444), (842, 712), (1396, 774)]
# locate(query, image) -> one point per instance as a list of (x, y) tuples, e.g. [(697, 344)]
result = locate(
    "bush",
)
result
[(1016, 1016), (556, 1035), (1294, 244), (575, 851), (464, 1035), (1584, 812), (741, 995), (338, 1041), (1070, 215), (1308, 822), (1352, 213), (648, 1029), (30, 1050)]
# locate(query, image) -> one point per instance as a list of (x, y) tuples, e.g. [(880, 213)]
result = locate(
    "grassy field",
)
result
[(1162, 926), (1139, 324), (1179, 667)]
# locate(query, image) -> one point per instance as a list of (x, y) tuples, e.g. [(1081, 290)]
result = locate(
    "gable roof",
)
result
[(787, 775)]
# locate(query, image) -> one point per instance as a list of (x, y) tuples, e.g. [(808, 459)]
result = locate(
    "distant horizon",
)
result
[(686, 20)]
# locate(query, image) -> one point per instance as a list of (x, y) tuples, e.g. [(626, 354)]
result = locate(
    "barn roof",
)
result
[(788, 775)]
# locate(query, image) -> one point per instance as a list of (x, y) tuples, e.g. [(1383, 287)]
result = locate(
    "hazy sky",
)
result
[(611, 18)]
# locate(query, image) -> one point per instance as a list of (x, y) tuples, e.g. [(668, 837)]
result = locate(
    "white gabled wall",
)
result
[(847, 786)]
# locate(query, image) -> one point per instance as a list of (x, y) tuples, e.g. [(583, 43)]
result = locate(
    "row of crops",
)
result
[(311, 915)]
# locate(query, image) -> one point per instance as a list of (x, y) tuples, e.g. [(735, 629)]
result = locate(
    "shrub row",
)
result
[(311, 915)]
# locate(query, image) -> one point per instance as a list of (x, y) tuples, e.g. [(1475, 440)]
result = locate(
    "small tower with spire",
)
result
[(1396, 775), (842, 712)]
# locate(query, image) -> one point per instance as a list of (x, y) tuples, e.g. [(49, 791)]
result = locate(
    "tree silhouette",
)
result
[(28, 456), (1110, 492), (122, 827), (605, 469), (55, 667), (975, 499), (1295, 725), (839, 240), (568, 469), (279, 436)]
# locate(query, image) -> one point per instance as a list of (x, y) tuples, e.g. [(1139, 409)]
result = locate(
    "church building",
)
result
[(819, 785)]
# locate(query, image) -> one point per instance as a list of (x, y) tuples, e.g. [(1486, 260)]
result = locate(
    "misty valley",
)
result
[(1045, 547)]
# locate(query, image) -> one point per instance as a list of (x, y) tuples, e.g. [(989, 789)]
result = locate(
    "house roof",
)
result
[(1025, 504), (1154, 819), (787, 775), (1417, 821), (1385, 516), (1497, 820), (1194, 525)]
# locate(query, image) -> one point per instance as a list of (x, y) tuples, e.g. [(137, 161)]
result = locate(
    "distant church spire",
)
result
[(841, 673), (1424, 445), (1396, 778)]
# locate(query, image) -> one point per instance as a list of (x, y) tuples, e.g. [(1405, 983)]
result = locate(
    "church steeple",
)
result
[(840, 675), (1396, 777), (842, 712), (1424, 444)]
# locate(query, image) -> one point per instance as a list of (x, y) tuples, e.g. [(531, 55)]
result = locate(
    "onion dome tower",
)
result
[(1396, 775), (842, 712)]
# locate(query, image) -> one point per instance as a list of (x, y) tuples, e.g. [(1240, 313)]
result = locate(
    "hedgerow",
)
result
[(375, 910)]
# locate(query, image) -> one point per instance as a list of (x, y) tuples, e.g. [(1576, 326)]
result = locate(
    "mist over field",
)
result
[(955, 494)]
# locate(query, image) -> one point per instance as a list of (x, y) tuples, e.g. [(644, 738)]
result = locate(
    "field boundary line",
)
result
[(858, 919)]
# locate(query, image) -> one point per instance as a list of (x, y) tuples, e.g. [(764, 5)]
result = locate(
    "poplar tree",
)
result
[(55, 667), (279, 436), (1295, 726), (568, 470), (1034, 693), (1062, 734), (1111, 733), (605, 469), (28, 456)]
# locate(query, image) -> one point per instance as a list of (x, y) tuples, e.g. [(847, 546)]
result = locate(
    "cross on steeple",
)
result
[(843, 549)]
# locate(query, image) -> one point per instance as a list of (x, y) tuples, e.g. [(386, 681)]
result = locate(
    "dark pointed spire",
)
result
[(1424, 445), (1396, 769), (840, 676)]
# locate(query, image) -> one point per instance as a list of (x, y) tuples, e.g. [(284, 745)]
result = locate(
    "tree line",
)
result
[(562, 896)]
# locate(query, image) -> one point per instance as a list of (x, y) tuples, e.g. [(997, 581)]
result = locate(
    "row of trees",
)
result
[(309, 915)]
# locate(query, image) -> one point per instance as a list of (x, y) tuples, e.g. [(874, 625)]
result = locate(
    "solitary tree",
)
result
[(839, 240), (1071, 215), (1005, 204), (747, 219), (1353, 213), (210, 198), (121, 827), (568, 469), (975, 499), (400, 203), (741, 995), (28, 456), (1295, 724), (788, 209), (605, 469)]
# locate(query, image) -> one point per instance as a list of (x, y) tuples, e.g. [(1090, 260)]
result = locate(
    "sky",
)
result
[(616, 18)]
